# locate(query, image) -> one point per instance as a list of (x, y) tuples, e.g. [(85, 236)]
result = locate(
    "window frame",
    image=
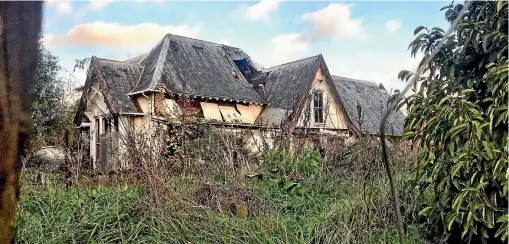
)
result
[(318, 107), (97, 138)]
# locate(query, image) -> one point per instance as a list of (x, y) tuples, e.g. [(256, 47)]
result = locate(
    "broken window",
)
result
[(318, 107), (107, 126)]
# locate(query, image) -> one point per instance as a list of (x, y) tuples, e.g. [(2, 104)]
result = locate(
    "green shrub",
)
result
[(332, 209), (459, 116)]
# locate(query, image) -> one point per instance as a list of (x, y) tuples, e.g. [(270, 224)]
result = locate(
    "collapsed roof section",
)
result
[(188, 66)]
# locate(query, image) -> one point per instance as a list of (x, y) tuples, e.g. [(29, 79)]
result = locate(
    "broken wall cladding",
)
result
[(190, 108), (221, 111)]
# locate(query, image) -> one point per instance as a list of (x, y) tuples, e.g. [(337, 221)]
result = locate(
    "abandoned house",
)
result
[(222, 86)]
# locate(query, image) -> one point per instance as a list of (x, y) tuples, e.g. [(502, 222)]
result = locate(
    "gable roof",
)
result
[(114, 80), (120, 78), (195, 67), (372, 102), (287, 86), (286, 83)]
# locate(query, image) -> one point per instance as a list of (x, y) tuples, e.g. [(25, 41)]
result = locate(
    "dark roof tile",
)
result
[(284, 84), (372, 102), (121, 78), (186, 65)]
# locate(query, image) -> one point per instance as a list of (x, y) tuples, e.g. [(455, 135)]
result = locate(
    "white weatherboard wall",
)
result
[(333, 116)]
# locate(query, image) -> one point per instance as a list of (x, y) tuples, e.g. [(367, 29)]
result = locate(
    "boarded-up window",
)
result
[(246, 114), (211, 111), (230, 114)]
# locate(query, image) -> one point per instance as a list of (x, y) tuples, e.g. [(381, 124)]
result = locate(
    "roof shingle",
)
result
[(195, 67), (121, 78), (371, 101), (285, 83)]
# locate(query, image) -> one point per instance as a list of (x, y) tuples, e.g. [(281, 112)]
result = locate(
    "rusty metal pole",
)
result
[(20, 25)]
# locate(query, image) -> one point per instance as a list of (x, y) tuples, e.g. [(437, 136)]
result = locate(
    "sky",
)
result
[(365, 40)]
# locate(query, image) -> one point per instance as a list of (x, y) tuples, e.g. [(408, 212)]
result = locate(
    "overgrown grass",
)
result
[(292, 199)]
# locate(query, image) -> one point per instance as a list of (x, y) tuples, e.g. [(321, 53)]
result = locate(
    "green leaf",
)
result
[(482, 186), (425, 210), (500, 4), (466, 226), (469, 189), (418, 29), (443, 100), (456, 168), (487, 148), (437, 29), (451, 220), (467, 91), (503, 219)]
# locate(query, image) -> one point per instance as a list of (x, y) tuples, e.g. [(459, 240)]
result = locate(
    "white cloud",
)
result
[(393, 25), (260, 10), (61, 7), (287, 47), (115, 35), (334, 21), (99, 4)]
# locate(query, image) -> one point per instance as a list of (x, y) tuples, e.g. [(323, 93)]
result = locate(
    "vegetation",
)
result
[(197, 185), (458, 117), (51, 113), (290, 198)]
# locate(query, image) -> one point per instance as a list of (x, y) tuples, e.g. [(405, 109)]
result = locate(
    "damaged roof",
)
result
[(195, 67), (120, 77), (284, 84), (210, 70), (371, 101)]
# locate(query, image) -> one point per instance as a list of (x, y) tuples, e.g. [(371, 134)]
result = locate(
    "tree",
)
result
[(458, 117), (48, 105), (19, 28)]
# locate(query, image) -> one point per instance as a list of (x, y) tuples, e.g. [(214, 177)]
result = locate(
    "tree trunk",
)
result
[(20, 24)]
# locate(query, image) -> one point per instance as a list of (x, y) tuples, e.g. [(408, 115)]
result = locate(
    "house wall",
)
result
[(273, 116), (333, 116), (213, 111), (95, 109)]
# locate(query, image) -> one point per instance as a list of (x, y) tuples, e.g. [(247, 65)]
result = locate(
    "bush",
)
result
[(458, 116), (292, 199)]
